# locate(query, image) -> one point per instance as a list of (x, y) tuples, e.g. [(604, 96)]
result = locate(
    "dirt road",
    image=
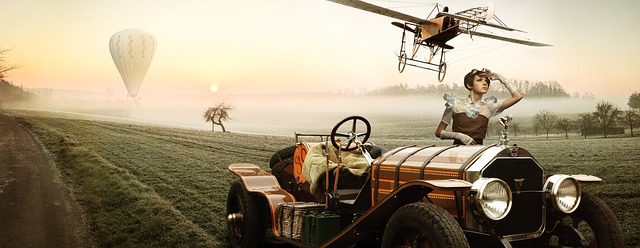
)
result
[(36, 209)]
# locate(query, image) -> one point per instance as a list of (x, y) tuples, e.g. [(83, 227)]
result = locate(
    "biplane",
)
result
[(434, 33)]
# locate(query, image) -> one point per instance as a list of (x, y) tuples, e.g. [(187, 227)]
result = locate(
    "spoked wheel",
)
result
[(423, 224), (402, 61), (442, 71), (244, 225), (593, 224), (402, 58), (356, 130)]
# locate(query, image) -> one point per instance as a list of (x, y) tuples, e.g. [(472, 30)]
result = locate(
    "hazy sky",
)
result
[(311, 45)]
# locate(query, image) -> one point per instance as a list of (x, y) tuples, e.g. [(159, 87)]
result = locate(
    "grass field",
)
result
[(152, 186)]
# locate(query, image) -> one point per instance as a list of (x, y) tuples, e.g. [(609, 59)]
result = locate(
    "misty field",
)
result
[(150, 186)]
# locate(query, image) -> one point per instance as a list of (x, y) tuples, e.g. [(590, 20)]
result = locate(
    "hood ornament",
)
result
[(504, 121)]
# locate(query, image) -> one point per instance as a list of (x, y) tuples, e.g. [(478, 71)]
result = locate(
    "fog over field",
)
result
[(288, 113)]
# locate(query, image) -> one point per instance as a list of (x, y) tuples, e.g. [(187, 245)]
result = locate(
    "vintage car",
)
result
[(343, 191)]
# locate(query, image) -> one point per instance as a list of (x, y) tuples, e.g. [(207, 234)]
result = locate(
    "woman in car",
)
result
[(469, 116)]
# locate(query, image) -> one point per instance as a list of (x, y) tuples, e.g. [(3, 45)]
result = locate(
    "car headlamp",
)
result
[(563, 192), (490, 198)]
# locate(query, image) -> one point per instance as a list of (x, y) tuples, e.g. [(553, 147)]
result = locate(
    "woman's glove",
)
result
[(496, 76), (456, 135), (503, 81)]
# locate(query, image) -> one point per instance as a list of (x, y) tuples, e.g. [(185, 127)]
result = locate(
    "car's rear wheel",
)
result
[(244, 225), (423, 224)]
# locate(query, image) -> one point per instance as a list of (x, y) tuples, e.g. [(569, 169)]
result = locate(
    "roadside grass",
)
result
[(121, 211), (151, 186)]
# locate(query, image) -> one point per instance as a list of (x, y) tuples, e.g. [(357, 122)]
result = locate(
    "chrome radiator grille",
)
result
[(525, 178)]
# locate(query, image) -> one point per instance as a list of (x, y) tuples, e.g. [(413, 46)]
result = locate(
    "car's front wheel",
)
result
[(593, 224), (423, 224), (244, 225)]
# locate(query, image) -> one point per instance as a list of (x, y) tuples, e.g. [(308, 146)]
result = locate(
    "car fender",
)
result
[(583, 178), (378, 214)]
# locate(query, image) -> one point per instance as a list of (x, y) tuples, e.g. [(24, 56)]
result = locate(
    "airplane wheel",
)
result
[(402, 61), (352, 134), (442, 71)]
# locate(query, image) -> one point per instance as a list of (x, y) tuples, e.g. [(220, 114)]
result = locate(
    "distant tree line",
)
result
[(11, 94), (606, 119), (530, 89)]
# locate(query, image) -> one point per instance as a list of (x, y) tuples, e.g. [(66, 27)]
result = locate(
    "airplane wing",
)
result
[(523, 42), (473, 18), (380, 11)]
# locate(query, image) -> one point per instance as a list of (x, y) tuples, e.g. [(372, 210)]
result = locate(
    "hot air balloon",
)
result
[(132, 51)]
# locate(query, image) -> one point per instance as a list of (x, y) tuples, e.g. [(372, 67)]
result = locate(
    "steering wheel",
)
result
[(351, 132)]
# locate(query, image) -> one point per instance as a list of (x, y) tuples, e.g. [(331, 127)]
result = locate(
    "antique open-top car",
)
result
[(345, 191)]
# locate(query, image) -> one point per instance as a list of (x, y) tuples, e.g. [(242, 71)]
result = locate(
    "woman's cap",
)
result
[(468, 79)]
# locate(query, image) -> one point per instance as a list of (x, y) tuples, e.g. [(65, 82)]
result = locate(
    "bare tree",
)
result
[(631, 118), (606, 115), (545, 119), (5, 66), (564, 124), (585, 122), (217, 115)]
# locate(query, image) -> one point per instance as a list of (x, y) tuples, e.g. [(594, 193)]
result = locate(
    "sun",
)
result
[(214, 88)]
